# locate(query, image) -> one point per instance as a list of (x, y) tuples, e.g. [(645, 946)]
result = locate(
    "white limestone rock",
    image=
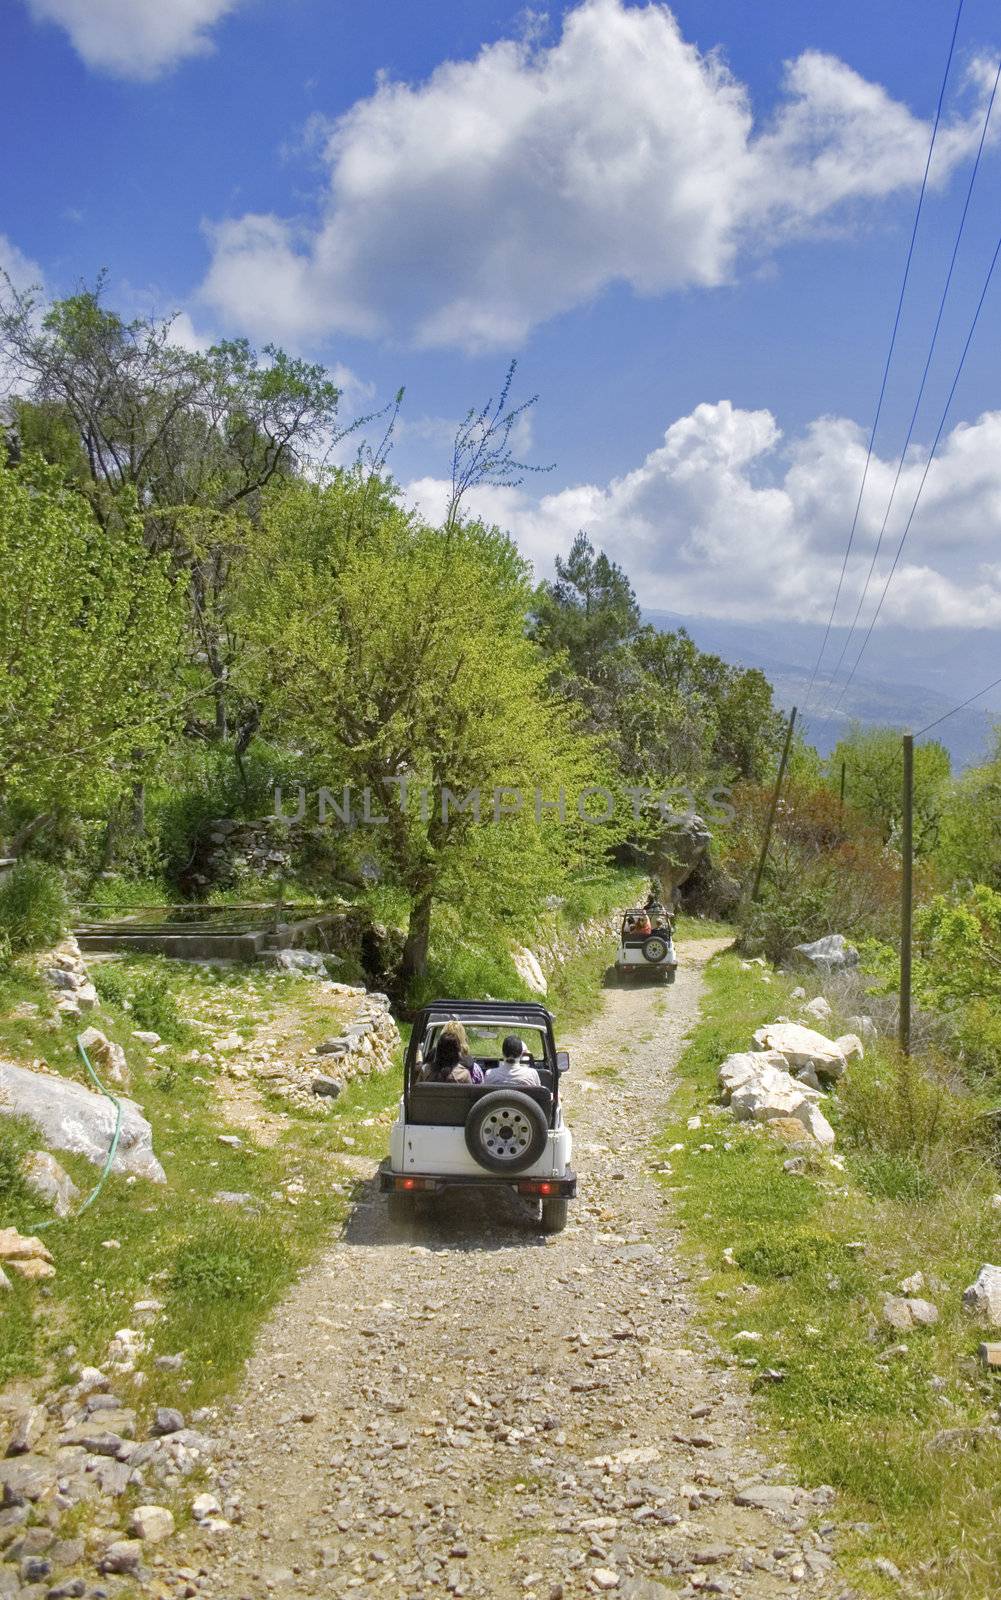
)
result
[(107, 1058), (76, 1119), (151, 1523), (819, 1009), (832, 953), (851, 1046), (737, 1070), (46, 1178), (526, 964), (803, 1047), (771, 1094), (983, 1297)]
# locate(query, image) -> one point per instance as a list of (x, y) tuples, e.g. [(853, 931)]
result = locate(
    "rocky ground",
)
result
[(476, 1409)]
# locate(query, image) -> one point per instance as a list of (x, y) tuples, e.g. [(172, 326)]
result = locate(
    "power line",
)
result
[(893, 341), (961, 707), (924, 379), (924, 475)]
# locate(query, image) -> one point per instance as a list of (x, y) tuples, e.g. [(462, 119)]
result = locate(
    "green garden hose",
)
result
[(109, 1162)]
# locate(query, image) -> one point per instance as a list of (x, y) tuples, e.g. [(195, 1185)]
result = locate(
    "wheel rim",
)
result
[(506, 1133)]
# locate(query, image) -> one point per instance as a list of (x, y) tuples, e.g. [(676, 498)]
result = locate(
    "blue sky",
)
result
[(694, 255)]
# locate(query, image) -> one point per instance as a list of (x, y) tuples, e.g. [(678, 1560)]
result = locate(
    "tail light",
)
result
[(546, 1187)]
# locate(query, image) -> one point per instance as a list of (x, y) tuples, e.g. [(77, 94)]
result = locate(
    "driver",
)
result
[(516, 1070)]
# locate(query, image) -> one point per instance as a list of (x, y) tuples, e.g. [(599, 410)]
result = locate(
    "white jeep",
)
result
[(646, 945), (479, 1135)]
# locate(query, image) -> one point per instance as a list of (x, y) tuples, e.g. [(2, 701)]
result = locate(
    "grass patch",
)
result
[(146, 990), (913, 1187), (216, 1269), (575, 989), (475, 966), (686, 927), (32, 905)]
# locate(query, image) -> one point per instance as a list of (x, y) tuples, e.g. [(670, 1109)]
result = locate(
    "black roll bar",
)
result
[(528, 1012)]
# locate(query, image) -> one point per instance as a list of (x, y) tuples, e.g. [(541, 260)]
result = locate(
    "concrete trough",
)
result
[(208, 940)]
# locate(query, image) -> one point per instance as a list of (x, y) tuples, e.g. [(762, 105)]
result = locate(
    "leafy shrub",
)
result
[(468, 970), (969, 848), (781, 919), (827, 872), (897, 1106), (33, 909), (209, 784), (129, 893), (207, 1271), (600, 893), (958, 941), (978, 1037), (146, 993), (771, 1255), (154, 1007), (890, 1176)]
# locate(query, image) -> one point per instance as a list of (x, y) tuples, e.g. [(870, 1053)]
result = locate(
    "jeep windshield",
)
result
[(486, 1040)]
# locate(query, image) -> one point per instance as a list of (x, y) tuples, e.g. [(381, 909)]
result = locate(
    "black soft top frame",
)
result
[(528, 1011)]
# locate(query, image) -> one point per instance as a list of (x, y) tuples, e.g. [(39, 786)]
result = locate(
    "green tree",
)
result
[(588, 613), (874, 769), (668, 711), (395, 656), (958, 941), (731, 706), (90, 649), (46, 429), (969, 847), (193, 436), (180, 427)]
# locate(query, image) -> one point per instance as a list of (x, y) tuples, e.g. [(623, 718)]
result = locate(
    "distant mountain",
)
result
[(909, 679)]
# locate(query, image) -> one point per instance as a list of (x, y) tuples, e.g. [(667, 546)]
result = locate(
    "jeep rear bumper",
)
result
[(543, 1188)]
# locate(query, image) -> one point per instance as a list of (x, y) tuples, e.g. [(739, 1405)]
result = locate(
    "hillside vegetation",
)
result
[(230, 673), (198, 614)]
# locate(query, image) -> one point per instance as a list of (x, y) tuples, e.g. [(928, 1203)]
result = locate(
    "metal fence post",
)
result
[(906, 896)]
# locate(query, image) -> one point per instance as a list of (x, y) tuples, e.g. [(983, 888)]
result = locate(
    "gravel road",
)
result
[(479, 1410)]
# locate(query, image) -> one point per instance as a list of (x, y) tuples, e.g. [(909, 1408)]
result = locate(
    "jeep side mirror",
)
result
[(562, 1061)]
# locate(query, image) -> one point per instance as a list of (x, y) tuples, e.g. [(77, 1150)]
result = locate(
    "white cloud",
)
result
[(507, 189), (727, 519), (134, 38), (20, 269), (185, 334), (24, 274)]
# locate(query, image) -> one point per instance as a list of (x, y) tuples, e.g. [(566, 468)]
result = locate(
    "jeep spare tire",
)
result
[(506, 1131), (655, 948)]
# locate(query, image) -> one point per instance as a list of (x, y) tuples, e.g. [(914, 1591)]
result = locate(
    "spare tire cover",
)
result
[(655, 948), (506, 1131)]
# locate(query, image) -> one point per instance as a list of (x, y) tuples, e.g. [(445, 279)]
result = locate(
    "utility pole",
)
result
[(841, 801), (906, 896), (773, 807)]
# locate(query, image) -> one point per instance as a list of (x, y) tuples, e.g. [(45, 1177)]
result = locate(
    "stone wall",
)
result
[(552, 948), (367, 1043)]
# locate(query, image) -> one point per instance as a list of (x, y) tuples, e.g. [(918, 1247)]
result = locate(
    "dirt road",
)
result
[(483, 1411)]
